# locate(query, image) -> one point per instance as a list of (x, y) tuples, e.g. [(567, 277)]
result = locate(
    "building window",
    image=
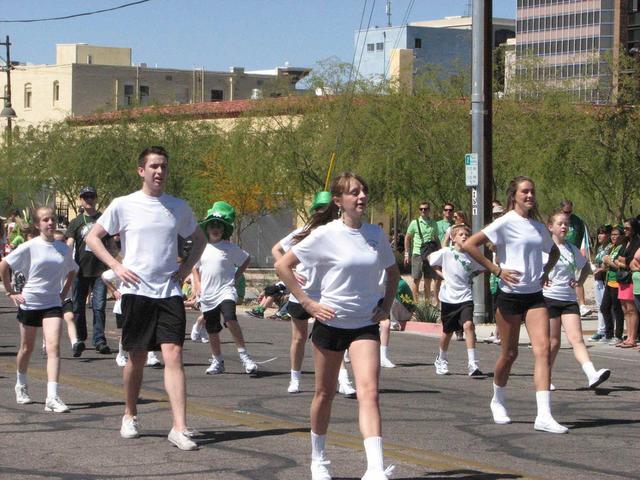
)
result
[(417, 43), (128, 95), (89, 59), (56, 91), (27, 95), (370, 47), (144, 95), (379, 46), (217, 95)]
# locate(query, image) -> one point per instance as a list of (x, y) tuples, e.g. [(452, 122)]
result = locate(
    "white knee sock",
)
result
[(589, 370), (373, 449), (442, 354), (471, 353), (343, 376), (498, 394), (383, 351), (543, 399), (120, 349), (52, 389), (21, 378), (317, 446)]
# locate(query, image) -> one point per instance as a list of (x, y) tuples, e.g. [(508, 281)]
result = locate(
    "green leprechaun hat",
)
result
[(220, 212), (320, 199)]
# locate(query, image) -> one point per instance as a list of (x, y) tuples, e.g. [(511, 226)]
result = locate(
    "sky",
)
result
[(214, 34)]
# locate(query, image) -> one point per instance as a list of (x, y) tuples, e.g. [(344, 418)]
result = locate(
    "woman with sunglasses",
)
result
[(625, 282)]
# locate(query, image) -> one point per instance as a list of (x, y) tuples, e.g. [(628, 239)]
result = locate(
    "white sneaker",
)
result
[(552, 387), (130, 427), (584, 310), (473, 369), (294, 386), (55, 404), (491, 338), (22, 395), (379, 474), (601, 376), (195, 332), (204, 336), (346, 389), (548, 424), (250, 366), (319, 470), (345, 357), (499, 412), (153, 360), (442, 366), (122, 359), (182, 440), (386, 363), (216, 367)]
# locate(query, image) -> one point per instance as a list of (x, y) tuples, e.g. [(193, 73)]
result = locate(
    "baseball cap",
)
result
[(87, 190)]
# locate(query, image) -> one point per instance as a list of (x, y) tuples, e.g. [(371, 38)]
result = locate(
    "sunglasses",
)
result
[(88, 196), (448, 209), (424, 209)]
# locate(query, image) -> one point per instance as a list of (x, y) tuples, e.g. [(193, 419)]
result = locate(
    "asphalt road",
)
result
[(434, 427)]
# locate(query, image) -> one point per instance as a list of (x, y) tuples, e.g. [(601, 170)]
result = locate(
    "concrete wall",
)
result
[(83, 53)]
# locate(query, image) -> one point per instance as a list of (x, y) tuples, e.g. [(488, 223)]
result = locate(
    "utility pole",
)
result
[(481, 138), (388, 11), (8, 112)]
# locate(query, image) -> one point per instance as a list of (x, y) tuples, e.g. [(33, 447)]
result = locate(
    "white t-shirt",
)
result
[(563, 272), (520, 243), (109, 276), (458, 269), (149, 228), (348, 263), (45, 266), (217, 268), (312, 286)]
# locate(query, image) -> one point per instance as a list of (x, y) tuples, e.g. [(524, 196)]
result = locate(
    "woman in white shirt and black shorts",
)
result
[(47, 263), (349, 256), (520, 242)]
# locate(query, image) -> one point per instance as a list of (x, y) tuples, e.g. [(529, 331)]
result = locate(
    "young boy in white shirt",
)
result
[(214, 279), (456, 299)]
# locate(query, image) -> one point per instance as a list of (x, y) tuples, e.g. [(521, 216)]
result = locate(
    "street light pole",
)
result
[(481, 131), (8, 112)]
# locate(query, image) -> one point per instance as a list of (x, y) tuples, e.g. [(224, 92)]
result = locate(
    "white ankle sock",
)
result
[(442, 354), (295, 374), (373, 449), (21, 378), (471, 353), (498, 394), (343, 376), (52, 389), (317, 446), (589, 370), (543, 399)]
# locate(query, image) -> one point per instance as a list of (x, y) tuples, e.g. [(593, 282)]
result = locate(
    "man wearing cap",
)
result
[(88, 278), (577, 235), (149, 223)]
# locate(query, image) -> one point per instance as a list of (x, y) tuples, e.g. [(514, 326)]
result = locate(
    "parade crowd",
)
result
[(337, 269)]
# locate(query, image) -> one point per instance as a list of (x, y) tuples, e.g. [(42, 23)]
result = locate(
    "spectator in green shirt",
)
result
[(576, 236), (421, 230)]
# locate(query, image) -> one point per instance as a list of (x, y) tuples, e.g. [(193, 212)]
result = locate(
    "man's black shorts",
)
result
[(454, 315), (557, 308), (150, 322), (33, 318), (339, 339), (519, 303), (212, 317), (297, 311)]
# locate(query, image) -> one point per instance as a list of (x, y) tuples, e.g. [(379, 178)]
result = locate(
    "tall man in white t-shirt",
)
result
[(149, 222)]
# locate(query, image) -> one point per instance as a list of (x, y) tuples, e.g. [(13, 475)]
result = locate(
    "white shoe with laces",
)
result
[(294, 386), (250, 366), (601, 376), (122, 359), (216, 367), (182, 440), (442, 366), (130, 427), (346, 389), (320, 470), (56, 405), (499, 412), (474, 369), (22, 395), (379, 474), (548, 424), (153, 360)]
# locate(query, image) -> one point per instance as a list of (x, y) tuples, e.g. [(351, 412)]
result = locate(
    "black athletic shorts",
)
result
[(212, 317), (119, 320), (33, 318), (558, 308), (454, 315), (67, 306), (339, 339), (297, 312), (150, 322), (519, 303)]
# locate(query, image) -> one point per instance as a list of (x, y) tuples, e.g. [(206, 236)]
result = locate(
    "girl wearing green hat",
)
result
[(214, 278)]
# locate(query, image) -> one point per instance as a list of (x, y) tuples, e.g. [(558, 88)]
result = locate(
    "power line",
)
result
[(403, 25), (66, 17)]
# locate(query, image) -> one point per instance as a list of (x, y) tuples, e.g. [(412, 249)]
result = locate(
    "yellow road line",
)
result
[(429, 459)]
